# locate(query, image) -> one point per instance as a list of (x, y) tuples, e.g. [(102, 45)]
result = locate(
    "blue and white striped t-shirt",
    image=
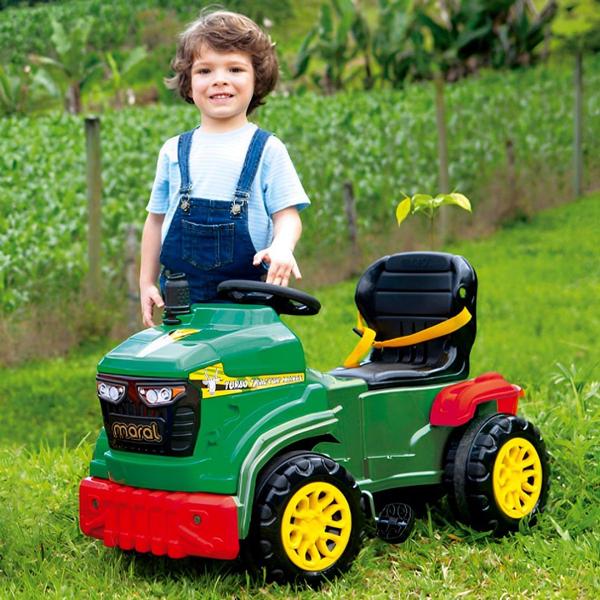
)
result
[(216, 161)]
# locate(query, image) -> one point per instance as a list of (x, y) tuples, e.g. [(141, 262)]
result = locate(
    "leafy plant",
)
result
[(428, 206), (21, 90), (392, 41), (341, 35), (120, 73), (577, 26), (14, 90), (26, 30), (468, 35), (73, 66), (414, 39)]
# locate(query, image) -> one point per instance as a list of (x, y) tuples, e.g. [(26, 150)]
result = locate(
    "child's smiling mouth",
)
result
[(220, 97)]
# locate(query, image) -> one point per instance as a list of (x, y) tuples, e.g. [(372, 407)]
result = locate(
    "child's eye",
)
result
[(203, 70), (237, 70)]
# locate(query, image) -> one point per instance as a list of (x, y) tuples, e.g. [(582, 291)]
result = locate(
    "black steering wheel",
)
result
[(284, 300)]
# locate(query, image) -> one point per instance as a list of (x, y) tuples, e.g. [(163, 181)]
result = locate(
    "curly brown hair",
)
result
[(225, 31)]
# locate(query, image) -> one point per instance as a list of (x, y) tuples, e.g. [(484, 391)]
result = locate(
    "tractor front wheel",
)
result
[(307, 519), (497, 473)]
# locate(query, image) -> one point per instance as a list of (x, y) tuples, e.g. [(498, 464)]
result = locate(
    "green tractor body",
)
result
[(217, 437)]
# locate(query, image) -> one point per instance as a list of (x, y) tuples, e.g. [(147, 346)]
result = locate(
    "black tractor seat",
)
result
[(404, 294)]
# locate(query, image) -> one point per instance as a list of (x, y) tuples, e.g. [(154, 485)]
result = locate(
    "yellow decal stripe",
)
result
[(214, 382), (179, 334)]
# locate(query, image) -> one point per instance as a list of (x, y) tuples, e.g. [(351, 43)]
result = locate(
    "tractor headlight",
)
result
[(111, 392), (159, 395)]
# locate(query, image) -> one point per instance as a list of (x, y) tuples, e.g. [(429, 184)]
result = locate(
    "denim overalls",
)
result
[(208, 240)]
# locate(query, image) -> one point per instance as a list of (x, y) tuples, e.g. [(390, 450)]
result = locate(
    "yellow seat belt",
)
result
[(367, 340)]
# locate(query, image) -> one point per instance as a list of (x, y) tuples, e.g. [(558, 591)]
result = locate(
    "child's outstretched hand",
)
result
[(149, 298), (281, 263)]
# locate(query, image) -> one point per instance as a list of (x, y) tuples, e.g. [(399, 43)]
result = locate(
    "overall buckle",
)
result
[(240, 198), (184, 202)]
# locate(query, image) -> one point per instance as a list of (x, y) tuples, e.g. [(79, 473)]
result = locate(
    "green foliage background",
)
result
[(384, 143), (116, 23)]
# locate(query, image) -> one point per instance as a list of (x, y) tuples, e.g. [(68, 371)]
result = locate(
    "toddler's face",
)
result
[(222, 87)]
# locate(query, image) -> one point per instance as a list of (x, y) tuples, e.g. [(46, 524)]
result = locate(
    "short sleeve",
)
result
[(280, 182), (159, 197)]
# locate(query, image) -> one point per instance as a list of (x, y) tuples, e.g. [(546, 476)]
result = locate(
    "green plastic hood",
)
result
[(247, 340)]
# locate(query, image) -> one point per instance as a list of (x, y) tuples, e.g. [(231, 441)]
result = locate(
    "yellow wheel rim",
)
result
[(316, 526), (517, 478)]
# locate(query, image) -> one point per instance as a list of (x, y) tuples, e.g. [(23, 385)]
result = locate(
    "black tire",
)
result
[(297, 480), (449, 469), (497, 474)]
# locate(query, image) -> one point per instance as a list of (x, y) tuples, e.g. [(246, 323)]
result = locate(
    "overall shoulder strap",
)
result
[(184, 145), (253, 156)]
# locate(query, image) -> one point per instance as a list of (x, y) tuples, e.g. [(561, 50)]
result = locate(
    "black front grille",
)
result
[(183, 434), (169, 430)]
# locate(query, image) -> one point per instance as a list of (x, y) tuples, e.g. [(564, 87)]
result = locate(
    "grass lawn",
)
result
[(538, 324)]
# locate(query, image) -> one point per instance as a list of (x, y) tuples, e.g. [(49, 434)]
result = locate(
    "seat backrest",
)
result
[(410, 291)]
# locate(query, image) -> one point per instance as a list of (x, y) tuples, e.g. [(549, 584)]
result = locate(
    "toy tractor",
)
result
[(218, 440)]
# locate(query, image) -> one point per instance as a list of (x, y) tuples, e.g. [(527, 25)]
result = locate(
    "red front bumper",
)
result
[(177, 524)]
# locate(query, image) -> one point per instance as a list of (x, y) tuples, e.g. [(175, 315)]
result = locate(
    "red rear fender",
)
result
[(456, 404)]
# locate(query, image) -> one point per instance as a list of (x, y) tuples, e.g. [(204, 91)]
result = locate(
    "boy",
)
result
[(227, 188)]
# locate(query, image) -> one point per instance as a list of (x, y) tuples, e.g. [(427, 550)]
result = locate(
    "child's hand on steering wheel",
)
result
[(281, 263)]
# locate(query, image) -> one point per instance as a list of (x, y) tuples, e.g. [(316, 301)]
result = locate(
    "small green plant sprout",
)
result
[(429, 206)]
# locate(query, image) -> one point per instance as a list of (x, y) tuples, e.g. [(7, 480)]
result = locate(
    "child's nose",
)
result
[(221, 76)]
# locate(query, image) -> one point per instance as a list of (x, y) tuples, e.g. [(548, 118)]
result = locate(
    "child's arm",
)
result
[(150, 265), (287, 228)]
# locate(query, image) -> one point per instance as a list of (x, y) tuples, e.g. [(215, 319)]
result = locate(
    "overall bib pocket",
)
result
[(207, 247)]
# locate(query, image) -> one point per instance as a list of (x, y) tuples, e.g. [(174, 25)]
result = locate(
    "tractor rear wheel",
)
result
[(307, 519), (497, 473)]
